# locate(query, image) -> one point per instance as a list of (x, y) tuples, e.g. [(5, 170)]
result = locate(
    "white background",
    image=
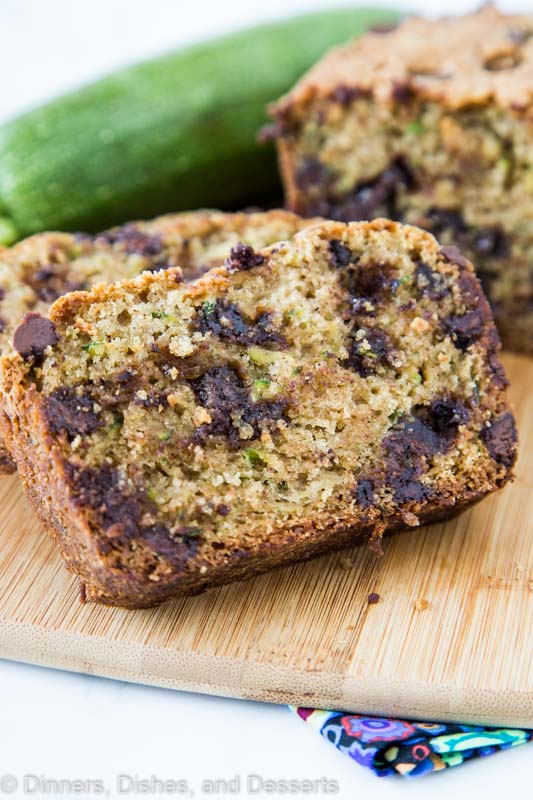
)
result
[(73, 726)]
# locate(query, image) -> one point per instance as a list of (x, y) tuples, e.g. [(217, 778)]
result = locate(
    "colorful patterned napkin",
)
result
[(401, 747)]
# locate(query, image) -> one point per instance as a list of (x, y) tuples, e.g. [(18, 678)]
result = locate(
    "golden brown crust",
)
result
[(43, 468), (485, 57)]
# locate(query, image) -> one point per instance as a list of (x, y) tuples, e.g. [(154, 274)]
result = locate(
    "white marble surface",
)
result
[(55, 725)]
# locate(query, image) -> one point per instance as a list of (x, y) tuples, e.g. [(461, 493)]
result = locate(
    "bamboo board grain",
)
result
[(450, 639)]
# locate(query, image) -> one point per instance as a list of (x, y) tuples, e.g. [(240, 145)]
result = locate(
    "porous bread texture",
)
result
[(38, 270), (431, 124), (320, 392)]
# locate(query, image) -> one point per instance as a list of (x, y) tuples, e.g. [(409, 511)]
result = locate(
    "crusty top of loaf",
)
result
[(485, 57)]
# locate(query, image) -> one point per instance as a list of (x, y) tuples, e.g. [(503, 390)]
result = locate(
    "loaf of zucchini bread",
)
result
[(316, 393), (40, 269), (429, 123)]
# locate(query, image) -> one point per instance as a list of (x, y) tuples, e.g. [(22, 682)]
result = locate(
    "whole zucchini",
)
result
[(172, 133)]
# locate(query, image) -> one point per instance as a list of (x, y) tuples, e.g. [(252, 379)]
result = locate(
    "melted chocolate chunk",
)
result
[(71, 413), (500, 439), (364, 360), (344, 95), (311, 172), (227, 321), (466, 328), (366, 283), (70, 409), (409, 449), (340, 254), (121, 514), (133, 240), (452, 254), (364, 493), (243, 257), (377, 197), (430, 283), (50, 282), (224, 394), (402, 93), (102, 491), (445, 415), (34, 335)]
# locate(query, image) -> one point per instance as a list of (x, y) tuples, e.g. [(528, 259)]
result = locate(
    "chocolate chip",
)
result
[(452, 254), (311, 172), (133, 240), (243, 257), (344, 95), (500, 439), (223, 509), (377, 197), (2, 293), (373, 598), (410, 447), (101, 490), (409, 491), (402, 93), (366, 354), (229, 403), (364, 493), (466, 329), (67, 411), (121, 512), (430, 282), (368, 283), (34, 335), (227, 321), (341, 255), (3, 324), (445, 415)]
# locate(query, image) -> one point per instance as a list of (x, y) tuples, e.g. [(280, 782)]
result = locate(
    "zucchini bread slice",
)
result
[(316, 393), (430, 123), (42, 268)]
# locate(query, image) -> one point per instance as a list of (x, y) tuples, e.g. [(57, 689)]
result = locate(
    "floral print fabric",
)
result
[(402, 747)]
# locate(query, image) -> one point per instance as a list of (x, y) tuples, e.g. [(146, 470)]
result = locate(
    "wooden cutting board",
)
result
[(451, 637)]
